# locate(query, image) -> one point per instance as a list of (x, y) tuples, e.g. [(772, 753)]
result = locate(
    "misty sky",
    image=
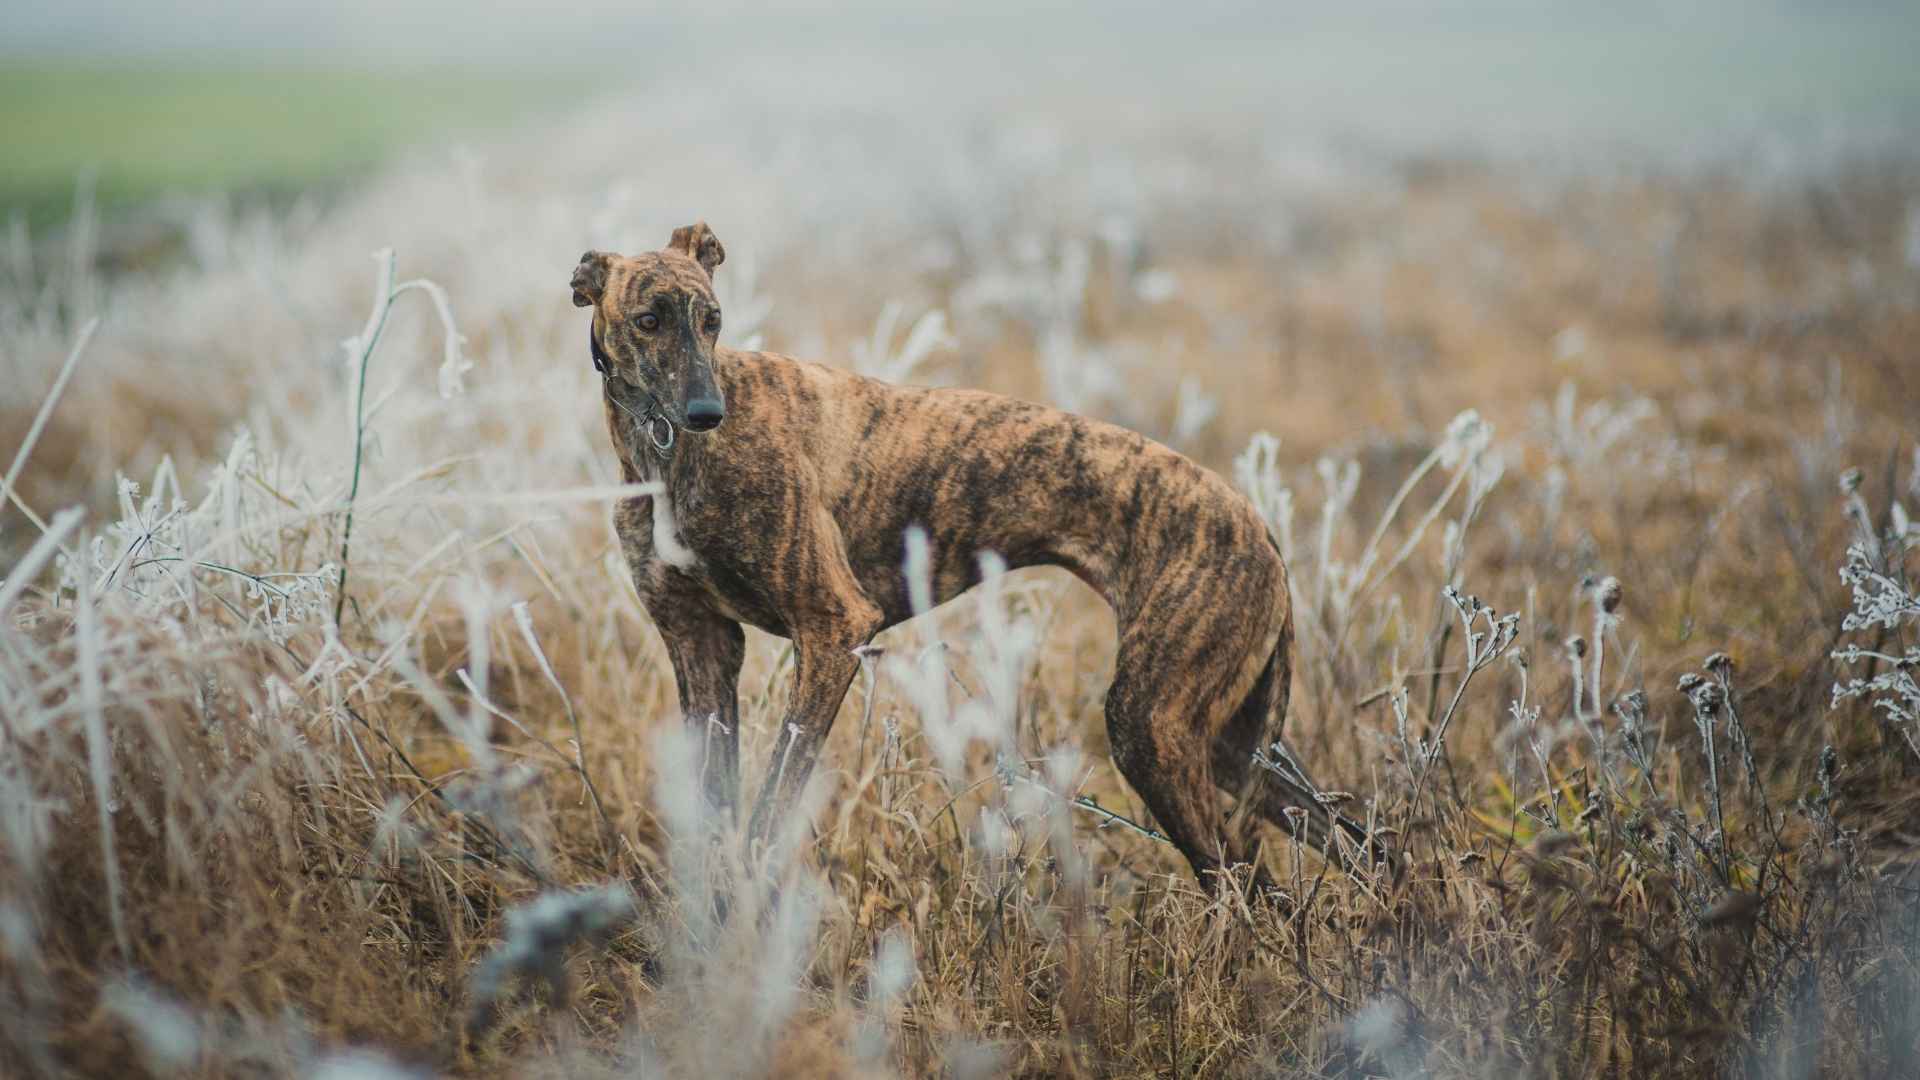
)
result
[(1638, 69)]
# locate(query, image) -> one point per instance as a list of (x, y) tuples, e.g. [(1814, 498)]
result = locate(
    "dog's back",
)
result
[(983, 472)]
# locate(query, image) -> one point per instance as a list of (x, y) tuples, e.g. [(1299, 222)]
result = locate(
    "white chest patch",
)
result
[(666, 536)]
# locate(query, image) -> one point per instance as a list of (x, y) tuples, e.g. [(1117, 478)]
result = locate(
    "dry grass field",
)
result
[(1584, 470)]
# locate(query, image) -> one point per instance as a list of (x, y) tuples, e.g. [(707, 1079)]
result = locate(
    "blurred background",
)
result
[(1517, 299), (936, 160), (144, 99)]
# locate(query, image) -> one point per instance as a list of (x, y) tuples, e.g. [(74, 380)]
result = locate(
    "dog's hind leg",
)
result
[(1258, 719), (1165, 699)]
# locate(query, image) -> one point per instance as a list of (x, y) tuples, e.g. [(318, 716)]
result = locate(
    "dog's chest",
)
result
[(680, 553), (648, 526)]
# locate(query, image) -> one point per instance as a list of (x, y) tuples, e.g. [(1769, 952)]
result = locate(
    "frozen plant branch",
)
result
[(360, 354), (1484, 646), (1886, 599), (538, 935), (1016, 772)]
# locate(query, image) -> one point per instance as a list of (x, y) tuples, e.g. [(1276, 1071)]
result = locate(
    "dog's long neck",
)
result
[(690, 453), (641, 460), (676, 471)]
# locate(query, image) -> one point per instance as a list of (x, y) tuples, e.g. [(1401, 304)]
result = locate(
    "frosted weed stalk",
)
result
[(729, 939), (359, 350), (1886, 605), (1329, 592), (879, 357)]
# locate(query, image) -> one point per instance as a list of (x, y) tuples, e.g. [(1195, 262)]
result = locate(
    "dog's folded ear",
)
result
[(698, 243), (590, 278)]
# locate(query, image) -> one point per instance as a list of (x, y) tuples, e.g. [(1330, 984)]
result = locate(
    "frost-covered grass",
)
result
[(1584, 624)]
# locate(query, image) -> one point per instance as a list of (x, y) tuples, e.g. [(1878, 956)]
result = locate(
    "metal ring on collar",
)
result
[(654, 423)]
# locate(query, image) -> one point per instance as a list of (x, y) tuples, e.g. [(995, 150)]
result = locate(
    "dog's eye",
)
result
[(649, 322), (713, 322)]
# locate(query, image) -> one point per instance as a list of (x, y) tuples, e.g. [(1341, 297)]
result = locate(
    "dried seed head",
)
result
[(1850, 482), (1607, 594), (1631, 703), (1830, 866), (1828, 761), (1735, 907), (1720, 665), (538, 935), (1577, 647), (1630, 720), (1379, 1028), (1708, 697), (1552, 843), (1690, 682)]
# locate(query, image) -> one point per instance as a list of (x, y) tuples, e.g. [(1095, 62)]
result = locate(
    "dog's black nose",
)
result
[(705, 414)]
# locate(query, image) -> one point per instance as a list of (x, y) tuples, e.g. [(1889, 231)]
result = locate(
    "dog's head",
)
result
[(655, 320)]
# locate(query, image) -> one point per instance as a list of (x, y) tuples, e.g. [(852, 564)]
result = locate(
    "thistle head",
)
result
[(1707, 696), (1632, 704), (1607, 594)]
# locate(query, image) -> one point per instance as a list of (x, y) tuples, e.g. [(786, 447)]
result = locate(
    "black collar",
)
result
[(600, 362)]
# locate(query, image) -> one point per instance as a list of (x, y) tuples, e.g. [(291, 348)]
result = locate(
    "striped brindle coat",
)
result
[(789, 491)]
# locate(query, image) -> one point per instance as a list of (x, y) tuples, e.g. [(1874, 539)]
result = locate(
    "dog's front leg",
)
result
[(706, 654), (823, 669)]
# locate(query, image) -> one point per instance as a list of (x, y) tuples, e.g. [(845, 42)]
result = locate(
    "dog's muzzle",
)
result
[(705, 413)]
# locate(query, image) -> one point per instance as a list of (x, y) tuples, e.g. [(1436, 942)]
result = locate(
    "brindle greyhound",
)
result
[(789, 491)]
